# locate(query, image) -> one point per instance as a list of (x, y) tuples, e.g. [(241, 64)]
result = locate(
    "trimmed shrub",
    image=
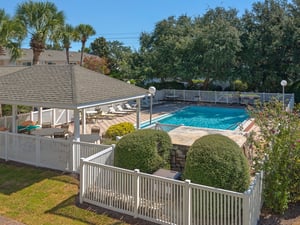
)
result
[(147, 150), (217, 161), (119, 129)]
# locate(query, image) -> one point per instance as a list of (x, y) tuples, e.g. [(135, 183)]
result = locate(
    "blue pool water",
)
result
[(206, 117)]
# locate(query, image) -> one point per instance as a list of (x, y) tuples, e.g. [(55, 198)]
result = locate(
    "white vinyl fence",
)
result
[(53, 153), (55, 116), (226, 97), (165, 201)]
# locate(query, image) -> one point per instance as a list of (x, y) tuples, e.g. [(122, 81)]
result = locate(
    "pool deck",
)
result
[(188, 135)]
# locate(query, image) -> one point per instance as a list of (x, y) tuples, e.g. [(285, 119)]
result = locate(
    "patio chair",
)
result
[(95, 130)]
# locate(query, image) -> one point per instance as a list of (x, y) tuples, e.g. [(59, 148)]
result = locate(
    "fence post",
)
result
[(6, 146), (5, 121), (137, 192), (216, 97), (187, 203), (37, 151), (246, 208), (82, 180)]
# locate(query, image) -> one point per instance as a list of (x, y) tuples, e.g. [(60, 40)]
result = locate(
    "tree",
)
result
[(42, 20), (84, 31), (11, 34), (100, 47), (97, 64), (67, 34), (270, 41), (212, 54), (116, 54)]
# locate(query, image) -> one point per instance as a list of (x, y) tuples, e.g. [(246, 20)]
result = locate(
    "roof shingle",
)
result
[(63, 86)]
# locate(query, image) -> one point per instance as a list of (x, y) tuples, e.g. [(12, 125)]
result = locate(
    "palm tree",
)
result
[(42, 20), (11, 35), (84, 32), (65, 36)]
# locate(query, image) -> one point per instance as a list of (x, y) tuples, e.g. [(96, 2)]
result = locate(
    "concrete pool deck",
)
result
[(188, 135)]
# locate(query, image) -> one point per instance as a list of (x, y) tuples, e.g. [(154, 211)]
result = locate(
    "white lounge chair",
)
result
[(127, 106), (113, 111), (121, 109)]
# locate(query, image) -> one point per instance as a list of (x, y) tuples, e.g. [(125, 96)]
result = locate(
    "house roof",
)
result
[(46, 56), (64, 86)]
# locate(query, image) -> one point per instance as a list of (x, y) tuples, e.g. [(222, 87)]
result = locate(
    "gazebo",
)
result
[(69, 87)]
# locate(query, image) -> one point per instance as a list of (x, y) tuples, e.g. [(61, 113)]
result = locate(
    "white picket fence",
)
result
[(46, 152), (162, 200)]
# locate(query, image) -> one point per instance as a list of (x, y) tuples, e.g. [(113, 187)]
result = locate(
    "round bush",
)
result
[(147, 150), (217, 161), (119, 129)]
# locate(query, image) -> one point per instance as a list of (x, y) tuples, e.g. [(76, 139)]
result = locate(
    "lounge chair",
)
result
[(113, 111), (120, 109), (127, 106)]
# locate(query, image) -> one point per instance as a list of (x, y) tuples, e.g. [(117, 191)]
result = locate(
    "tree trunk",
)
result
[(205, 83), (68, 56), (36, 57), (82, 50)]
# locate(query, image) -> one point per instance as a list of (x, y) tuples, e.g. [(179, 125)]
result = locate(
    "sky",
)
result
[(125, 20)]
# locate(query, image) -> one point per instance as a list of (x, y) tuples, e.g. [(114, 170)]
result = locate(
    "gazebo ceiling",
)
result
[(63, 86)]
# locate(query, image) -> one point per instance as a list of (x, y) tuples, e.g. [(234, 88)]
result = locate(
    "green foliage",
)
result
[(147, 150), (239, 85), (41, 20), (278, 153), (119, 129), (167, 85), (216, 160)]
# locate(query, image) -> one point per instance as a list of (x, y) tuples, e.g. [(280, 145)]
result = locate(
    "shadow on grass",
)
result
[(16, 176), (89, 214)]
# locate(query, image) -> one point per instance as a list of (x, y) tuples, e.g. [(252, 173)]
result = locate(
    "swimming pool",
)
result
[(205, 117)]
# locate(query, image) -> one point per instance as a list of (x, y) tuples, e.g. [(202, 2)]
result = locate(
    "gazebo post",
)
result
[(14, 119), (138, 113), (76, 125), (54, 117), (83, 121)]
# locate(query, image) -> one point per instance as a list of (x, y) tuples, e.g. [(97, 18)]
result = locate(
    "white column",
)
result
[(40, 117), (76, 125), (14, 119), (138, 113), (67, 116), (53, 117), (83, 121)]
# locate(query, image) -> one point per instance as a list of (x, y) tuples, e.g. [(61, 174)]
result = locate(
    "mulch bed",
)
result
[(290, 217)]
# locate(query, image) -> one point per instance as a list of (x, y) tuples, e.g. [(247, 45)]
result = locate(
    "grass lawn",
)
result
[(37, 196)]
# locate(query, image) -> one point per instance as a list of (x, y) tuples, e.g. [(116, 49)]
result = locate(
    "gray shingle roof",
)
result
[(64, 86), (46, 56)]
